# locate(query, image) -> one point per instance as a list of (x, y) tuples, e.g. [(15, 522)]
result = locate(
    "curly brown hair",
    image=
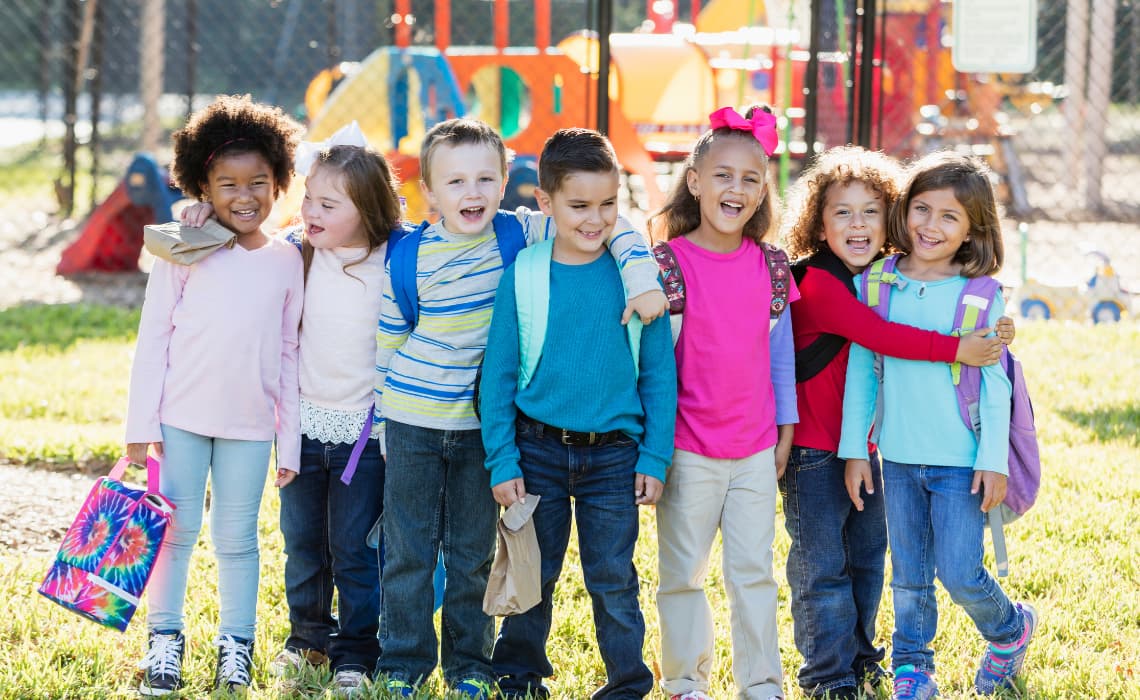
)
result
[(983, 252), (682, 211), (841, 165), (230, 125)]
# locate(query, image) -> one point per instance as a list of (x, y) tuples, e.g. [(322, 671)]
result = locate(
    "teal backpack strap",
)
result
[(532, 297)]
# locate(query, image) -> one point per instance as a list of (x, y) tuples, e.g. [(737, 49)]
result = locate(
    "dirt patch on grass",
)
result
[(38, 507)]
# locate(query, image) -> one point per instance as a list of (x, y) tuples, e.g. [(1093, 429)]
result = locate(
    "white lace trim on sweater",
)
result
[(330, 424)]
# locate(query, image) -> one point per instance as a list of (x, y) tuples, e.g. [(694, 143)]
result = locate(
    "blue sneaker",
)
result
[(913, 684), (474, 688), (399, 688), (1001, 664)]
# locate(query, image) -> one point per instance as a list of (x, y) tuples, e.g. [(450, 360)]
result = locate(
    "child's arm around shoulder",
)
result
[(628, 246), (497, 391)]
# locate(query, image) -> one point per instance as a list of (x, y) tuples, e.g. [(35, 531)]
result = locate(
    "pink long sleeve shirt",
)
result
[(217, 349)]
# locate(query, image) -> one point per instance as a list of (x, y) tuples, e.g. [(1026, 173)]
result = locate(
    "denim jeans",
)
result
[(600, 480), (437, 495), (835, 569), (237, 470), (936, 528), (325, 524)]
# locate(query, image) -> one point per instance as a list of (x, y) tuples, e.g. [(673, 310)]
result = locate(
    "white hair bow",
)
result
[(307, 151)]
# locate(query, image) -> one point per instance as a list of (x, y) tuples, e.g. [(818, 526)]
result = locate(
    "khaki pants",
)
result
[(739, 497)]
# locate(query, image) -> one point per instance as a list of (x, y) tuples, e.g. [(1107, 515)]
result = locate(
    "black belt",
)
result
[(571, 438)]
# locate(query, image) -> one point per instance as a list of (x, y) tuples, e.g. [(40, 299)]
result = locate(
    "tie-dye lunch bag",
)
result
[(110, 549)]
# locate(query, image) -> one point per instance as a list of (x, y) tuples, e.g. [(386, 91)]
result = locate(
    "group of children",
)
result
[(585, 402)]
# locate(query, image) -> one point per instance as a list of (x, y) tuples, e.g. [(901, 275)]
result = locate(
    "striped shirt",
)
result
[(426, 376)]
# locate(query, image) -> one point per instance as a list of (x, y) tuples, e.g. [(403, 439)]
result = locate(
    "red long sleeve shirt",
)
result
[(827, 306)]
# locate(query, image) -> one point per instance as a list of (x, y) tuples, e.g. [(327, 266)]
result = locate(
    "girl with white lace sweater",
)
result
[(328, 508)]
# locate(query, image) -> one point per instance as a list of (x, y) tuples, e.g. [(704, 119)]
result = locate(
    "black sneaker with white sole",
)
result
[(162, 665), (235, 663)]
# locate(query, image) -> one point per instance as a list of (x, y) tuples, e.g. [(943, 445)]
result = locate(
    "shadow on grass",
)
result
[(1120, 422), (58, 326)]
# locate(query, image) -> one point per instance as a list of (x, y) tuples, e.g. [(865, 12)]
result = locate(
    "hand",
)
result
[(284, 478), (977, 350), (993, 488), (783, 448), (196, 214), (509, 492), (647, 490), (136, 452), (382, 438), (856, 474), (1005, 330), (649, 306)]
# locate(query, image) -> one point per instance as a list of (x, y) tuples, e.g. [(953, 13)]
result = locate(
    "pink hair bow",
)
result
[(762, 125)]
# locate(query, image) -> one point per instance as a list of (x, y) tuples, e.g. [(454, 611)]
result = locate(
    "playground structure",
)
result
[(662, 87)]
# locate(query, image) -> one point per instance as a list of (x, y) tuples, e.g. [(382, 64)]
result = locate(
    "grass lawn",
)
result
[(1075, 556)]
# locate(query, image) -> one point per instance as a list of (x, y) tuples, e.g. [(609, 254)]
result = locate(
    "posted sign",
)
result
[(995, 37)]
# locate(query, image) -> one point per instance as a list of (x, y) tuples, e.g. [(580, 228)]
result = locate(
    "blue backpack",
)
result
[(403, 252), (972, 313)]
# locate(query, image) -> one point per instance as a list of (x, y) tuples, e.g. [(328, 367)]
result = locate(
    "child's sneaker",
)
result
[(691, 695), (347, 681), (291, 660), (399, 688), (913, 684), (474, 688), (235, 663), (162, 665), (1001, 664)]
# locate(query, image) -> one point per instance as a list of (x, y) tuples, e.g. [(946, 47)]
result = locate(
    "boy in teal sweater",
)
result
[(577, 406)]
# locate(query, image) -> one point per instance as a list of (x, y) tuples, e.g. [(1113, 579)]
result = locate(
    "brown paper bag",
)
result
[(515, 584), (186, 245)]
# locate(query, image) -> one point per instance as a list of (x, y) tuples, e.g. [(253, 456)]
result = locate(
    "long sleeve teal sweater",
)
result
[(585, 379)]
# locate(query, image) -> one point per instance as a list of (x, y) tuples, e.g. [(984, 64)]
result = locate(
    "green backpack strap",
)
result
[(532, 299)]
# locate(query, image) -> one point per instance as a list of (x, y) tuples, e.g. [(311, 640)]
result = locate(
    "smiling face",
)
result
[(241, 188), (584, 209), (331, 219), (730, 183), (937, 225), (465, 184), (854, 223)]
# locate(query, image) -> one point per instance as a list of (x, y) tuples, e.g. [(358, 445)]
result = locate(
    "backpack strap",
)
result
[(403, 257), (674, 283), (876, 283), (532, 301), (972, 313), (780, 273), (293, 235), (818, 354), (510, 236)]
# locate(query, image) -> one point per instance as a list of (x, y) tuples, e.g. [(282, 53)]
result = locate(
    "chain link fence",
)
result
[(85, 85)]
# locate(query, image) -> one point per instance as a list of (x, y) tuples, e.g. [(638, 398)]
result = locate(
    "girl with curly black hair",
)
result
[(214, 379)]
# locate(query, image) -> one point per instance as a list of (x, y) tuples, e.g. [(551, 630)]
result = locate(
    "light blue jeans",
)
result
[(936, 528), (237, 472)]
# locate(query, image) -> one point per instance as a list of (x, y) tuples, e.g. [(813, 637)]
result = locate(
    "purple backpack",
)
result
[(1024, 456)]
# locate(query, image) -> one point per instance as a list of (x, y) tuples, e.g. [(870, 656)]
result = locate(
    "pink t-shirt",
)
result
[(726, 406), (217, 349)]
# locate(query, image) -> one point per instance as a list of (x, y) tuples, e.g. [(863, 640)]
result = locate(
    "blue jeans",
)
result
[(835, 570), (325, 524), (936, 528), (237, 470), (600, 479), (437, 494)]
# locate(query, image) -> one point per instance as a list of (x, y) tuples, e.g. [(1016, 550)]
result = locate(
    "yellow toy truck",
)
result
[(1101, 299)]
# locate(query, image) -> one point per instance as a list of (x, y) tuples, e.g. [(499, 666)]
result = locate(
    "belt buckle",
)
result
[(567, 438)]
